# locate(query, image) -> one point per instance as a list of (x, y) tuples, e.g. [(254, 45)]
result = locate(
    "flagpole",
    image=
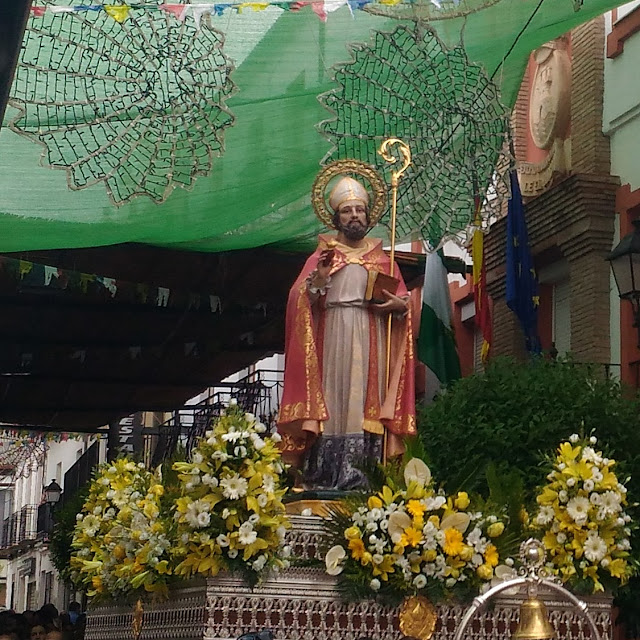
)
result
[(405, 153)]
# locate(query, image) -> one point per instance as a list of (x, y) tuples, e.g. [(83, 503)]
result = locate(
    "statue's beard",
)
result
[(354, 230)]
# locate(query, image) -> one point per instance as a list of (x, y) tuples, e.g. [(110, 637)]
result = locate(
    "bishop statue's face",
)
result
[(353, 220)]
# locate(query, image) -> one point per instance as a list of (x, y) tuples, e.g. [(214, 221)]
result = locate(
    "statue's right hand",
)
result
[(324, 263)]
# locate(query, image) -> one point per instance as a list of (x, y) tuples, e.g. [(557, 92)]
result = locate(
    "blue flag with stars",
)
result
[(522, 281)]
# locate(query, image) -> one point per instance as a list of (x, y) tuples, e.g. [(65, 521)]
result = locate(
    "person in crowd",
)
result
[(38, 632)]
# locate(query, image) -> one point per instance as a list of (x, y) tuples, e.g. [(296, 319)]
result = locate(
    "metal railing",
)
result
[(258, 393), (20, 527), (80, 472)]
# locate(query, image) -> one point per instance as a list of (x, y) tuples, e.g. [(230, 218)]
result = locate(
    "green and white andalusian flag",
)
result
[(436, 340)]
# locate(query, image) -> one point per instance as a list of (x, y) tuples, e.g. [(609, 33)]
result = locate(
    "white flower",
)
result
[(578, 509), (571, 482), (249, 417), (417, 471), (595, 498), (203, 519), (276, 437), (590, 455), (232, 435), (375, 584), (604, 562), (258, 442), (398, 522), (593, 439), (240, 452), (435, 503), (588, 485), (377, 558), (545, 515), (197, 458), (246, 534), (563, 496), (268, 483), (574, 437), (595, 548), (561, 537), (306, 512), (234, 487), (259, 562), (232, 402), (232, 553), (333, 560), (420, 581), (209, 480), (223, 540), (610, 502), (262, 500), (254, 518)]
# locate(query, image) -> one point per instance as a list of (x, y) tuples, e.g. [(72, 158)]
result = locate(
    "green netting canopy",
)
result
[(144, 127)]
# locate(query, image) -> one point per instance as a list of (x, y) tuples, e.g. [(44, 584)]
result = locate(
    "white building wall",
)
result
[(26, 575)]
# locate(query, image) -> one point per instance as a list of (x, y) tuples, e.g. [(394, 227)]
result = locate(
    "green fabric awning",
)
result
[(257, 192)]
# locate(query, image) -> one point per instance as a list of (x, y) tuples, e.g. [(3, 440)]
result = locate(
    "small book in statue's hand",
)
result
[(376, 283)]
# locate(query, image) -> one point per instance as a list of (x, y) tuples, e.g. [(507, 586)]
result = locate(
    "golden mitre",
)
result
[(348, 190)]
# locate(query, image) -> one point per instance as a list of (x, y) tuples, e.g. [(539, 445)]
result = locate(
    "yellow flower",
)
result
[(374, 502), (491, 555), (416, 508), (453, 544), (568, 452), (548, 496), (384, 568), (495, 529), (387, 495), (411, 537), (467, 553), (462, 500), (485, 572), (352, 533), (618, 568), (430, 555), (357, 548)]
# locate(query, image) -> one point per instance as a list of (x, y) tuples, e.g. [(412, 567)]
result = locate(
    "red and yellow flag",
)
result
[(480, 295)]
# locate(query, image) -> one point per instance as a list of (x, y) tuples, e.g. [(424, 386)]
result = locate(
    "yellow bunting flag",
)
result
[(255, 6), (25, 268), (119, 12)]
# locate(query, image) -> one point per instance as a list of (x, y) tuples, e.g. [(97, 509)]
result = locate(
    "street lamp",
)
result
[(52, 493), (625, 263)]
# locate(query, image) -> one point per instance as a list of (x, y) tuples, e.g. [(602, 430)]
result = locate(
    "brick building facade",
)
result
[(570, 200)]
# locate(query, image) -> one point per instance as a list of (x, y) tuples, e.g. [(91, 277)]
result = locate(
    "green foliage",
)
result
[(64, 519), (503, 422), (514, 413)]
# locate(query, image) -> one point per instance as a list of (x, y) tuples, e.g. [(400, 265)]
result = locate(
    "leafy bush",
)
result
[(64, 522), (514, 414)]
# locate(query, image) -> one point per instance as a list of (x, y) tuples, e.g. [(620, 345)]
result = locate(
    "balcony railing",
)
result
[(19, 528), (259, 393)]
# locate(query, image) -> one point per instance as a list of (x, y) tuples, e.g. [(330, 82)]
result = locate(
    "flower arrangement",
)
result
[(120, 541), (230, 515), (414, 540), (581, 516)]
